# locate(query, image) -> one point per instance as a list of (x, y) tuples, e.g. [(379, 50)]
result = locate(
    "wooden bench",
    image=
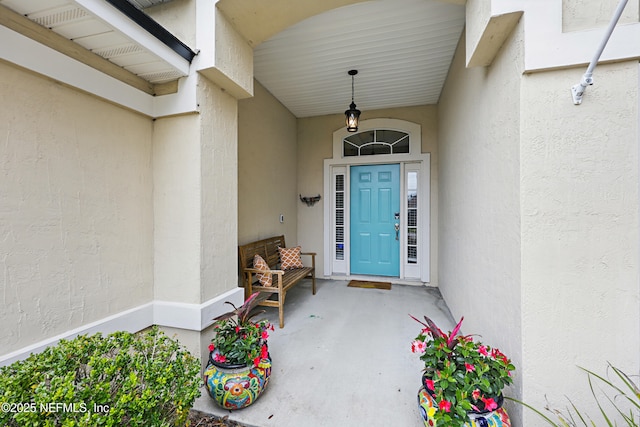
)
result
[(283, 280)]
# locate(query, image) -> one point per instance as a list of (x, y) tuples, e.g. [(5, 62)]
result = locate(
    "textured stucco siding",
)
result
[(176, 172), (267, 170), (539, 239), (219, 192), (178, 16), (479, 203), (579, 180), (580, 15), (75, 209)]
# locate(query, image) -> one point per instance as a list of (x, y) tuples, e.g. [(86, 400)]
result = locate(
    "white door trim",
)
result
[(415, 160)]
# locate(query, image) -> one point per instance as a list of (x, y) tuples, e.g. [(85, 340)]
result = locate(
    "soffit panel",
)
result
[(142, 4), (73, 22)]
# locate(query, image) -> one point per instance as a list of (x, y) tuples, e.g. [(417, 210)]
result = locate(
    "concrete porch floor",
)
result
[(343, 358)]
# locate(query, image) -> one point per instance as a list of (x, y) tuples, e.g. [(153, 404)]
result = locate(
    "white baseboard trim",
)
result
[(195, 317)]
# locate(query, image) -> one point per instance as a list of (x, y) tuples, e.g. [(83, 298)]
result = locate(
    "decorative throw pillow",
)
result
[(290, 258), (260, 264)]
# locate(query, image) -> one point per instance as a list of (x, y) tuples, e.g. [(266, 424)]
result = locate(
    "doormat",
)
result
[(369, 285)]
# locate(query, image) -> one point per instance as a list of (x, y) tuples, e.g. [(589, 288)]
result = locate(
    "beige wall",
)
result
[(179, 17), (267, 169), (219, 192), (479, 232), (177, 186), (579, 204), (315, 143), (138, 209), (195, 194), (539, 220), (75, 209), (258, 20), (578, 16)]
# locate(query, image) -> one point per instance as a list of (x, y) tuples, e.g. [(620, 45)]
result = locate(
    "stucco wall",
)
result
[(267, 169), (579, 177), (479, 205), (478, 13), (219, 192), (576, 15), (177, 186), (315, 143), (179, 17), (539, 221), (75, 209), (258, 20)]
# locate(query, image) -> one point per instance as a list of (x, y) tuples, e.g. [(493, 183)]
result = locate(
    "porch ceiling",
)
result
[(401, 48)]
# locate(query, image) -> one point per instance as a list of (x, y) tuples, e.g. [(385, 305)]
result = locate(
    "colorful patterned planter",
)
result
[(497, 418), (236, 386)]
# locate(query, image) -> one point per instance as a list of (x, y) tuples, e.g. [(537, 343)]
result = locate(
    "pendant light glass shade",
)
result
[(352, 115)]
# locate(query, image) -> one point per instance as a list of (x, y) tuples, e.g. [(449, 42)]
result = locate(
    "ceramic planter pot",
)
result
[(236, 386), (496, 418)]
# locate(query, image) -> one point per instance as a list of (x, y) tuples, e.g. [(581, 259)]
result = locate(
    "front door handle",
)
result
[(397, 228)]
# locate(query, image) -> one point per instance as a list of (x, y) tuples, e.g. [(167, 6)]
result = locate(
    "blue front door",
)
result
[(375, 205)]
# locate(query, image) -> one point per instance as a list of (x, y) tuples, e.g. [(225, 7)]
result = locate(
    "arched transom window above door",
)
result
[(375, 141)]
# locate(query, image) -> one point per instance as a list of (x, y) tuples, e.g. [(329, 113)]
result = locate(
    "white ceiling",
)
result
[(402, 50)]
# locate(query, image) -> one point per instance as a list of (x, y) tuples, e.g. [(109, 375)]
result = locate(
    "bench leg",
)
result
[(281, 309), (313, 283), (248, 288)]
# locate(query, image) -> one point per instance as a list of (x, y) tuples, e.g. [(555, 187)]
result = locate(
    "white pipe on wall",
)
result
[(587, 79)]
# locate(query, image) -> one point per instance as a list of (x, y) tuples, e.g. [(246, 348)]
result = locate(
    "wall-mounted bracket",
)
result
[(310, 201)]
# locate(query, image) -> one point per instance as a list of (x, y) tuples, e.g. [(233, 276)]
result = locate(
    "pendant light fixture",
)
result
[(352, 114)]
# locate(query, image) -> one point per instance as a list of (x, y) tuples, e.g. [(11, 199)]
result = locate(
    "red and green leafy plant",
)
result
[(239, 340), (461, 374)]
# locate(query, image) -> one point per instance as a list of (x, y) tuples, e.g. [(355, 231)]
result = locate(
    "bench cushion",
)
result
[(290, 258), (260, 264)]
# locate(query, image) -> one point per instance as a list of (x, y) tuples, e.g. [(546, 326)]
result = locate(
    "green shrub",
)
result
[(122, 379)]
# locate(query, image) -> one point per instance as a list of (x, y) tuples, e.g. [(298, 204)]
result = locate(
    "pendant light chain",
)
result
[(352, 87)]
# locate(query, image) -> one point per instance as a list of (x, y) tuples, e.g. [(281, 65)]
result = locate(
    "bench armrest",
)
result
[(313, 258)]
